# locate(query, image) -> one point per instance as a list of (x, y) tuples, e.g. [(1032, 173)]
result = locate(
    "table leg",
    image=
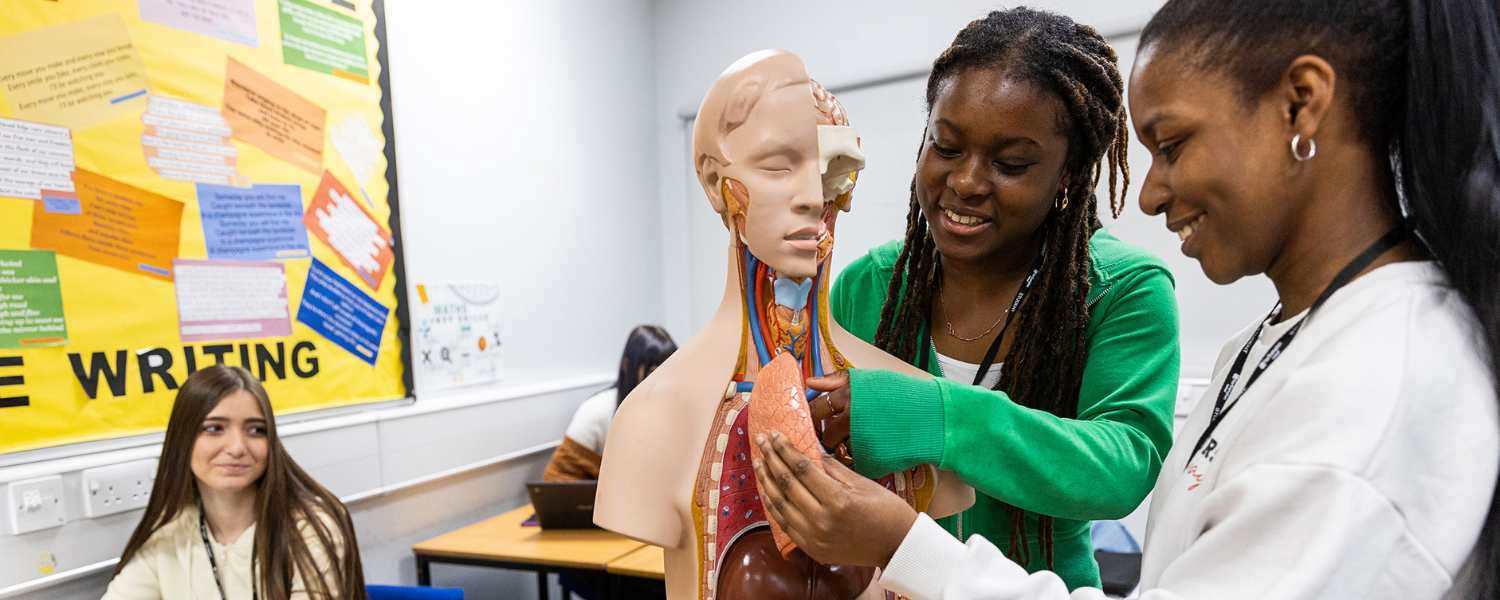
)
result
[(424, 571), (542, 591), (606, 585)]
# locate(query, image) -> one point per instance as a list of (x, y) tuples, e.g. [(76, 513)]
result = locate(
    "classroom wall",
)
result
[(524, 136)]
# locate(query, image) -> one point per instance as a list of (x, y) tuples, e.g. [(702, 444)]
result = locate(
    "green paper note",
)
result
[(31, 308), (320, 39)]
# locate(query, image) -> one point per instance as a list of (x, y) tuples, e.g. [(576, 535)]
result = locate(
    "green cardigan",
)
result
[(1098, 466)]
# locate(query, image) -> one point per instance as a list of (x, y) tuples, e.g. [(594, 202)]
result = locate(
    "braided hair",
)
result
[(1044, 366)]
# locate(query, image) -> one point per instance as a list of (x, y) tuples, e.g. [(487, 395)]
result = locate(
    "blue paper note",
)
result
[(342, 313), (65, 203), (256, 223)]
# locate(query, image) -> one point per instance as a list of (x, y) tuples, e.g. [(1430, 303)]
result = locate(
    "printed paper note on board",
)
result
[(228, 20), (456, 334), (76, 75), (117, 225), (31, 305), (222, 300), (340, 312), (323, 40), (359, 147), (269, 116), (34, 157), (259, 222), (188, 142), (345, 225)]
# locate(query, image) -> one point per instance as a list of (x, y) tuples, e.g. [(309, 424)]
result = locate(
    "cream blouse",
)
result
[(172, 565)]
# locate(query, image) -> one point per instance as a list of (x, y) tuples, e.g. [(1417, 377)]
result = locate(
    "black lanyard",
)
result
[(1010, 313), (1222, 406), (214, 563)]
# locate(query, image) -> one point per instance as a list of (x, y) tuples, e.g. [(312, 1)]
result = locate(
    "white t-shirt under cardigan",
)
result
[(1360, 465), (590, 424)]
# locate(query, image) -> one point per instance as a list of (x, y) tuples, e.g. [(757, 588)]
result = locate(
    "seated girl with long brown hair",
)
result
[(231, 515)]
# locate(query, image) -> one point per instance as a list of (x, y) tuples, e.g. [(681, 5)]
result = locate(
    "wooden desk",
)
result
[(648, 562), (502, 542)]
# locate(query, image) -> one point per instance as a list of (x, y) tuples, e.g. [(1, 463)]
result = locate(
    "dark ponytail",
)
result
[(1424, 80), (1448, 160)]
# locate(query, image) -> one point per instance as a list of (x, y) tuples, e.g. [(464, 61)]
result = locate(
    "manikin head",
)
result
[(777, 158)]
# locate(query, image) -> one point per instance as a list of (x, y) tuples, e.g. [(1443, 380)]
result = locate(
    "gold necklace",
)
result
[(987, 330)]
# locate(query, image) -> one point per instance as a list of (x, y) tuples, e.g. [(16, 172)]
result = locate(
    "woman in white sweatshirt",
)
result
[(1349, 444), (232, 516)]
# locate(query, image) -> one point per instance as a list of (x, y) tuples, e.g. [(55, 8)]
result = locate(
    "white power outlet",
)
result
[(35, 504), (118, 488)]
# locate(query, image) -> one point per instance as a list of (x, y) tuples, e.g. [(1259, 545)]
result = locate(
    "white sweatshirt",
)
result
[(1360, 465)]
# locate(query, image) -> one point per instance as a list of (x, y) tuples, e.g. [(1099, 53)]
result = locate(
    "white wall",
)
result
[(884, 48), (525, 147)]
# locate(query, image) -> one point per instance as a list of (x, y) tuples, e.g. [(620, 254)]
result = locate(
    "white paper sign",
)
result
[(34, 157), (456, 335)]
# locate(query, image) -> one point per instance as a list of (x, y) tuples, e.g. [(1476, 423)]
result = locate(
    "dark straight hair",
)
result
[(1424, 77), (647, 347), (292, 510)]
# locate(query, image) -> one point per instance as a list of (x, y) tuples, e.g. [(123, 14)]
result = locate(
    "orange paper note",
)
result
[(779, 403), (269, 116), (116, 225), (347, 226)]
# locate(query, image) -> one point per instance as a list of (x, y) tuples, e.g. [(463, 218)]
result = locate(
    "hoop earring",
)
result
[(1297, 154), (1062, 200)]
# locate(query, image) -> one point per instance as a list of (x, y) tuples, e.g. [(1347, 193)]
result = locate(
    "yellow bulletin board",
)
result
[(190, 182)]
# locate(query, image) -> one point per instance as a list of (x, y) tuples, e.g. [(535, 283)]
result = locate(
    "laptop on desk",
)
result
[(563, 504)]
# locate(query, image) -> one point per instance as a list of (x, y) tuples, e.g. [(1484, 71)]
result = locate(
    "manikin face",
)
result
[(790, 166), (230, 453)]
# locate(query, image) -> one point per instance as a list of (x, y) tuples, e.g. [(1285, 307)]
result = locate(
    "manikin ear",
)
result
[(710, 178)]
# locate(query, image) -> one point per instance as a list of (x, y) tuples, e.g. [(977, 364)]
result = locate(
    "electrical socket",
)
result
[(35, 504), (117, 488)]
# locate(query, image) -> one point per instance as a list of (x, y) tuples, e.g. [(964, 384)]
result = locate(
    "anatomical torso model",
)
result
[(778, 161)]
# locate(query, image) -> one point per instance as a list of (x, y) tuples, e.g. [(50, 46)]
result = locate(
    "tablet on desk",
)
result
[(563, 504)]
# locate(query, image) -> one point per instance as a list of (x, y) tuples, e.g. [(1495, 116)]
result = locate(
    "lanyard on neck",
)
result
[(1222, 406), (994, 349), (213, 563)]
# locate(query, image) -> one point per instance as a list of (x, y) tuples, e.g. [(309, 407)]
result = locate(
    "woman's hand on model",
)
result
[(830, 413), (835, 515)]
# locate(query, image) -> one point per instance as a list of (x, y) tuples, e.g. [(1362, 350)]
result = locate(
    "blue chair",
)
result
[(402, 592)]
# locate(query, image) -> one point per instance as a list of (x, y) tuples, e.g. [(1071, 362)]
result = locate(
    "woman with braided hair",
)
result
[(1055, 342), (1349, 444)]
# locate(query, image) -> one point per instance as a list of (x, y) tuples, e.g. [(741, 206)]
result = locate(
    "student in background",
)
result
[(232, 516), (578, 457), (1349, 444)]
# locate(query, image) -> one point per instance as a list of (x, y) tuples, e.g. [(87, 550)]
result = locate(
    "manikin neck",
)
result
[(781, 315)]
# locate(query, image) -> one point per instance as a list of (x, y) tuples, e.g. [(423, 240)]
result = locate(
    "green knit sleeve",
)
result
[(1097, 466), (859, 292)]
